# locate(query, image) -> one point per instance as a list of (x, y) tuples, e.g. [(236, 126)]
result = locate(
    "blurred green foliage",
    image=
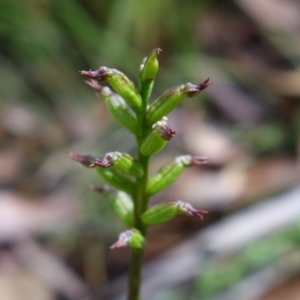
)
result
[(221, 275)]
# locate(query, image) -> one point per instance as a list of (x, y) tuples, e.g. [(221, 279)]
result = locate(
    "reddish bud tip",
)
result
[(191, 90), (166, 131), (86, 160), (123, 240), (203, 85), (99, 189), (104, 162), (94, 85), (196, 160), (100, 74), (188, 209)]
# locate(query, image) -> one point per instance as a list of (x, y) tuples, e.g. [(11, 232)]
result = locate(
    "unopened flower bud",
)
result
[(117, 179), (121, 202), (166, 211), (120, 110), (149, 67), (122, 161), (148, 70), (131, 237), (160, 134), (171, 98), (170, 172), (120, 83), (160, 213)]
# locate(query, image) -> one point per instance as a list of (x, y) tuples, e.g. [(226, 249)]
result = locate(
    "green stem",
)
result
[(135, 271), (135, 268)]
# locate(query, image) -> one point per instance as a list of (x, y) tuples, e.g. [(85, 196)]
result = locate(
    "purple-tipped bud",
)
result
[(120, 83), (123, 240), (166, 131), (131, 237), (85, 160), (167, 210), (157, 139), (171, 98), (170, 172), (101, 74), (123, 161), (188, 209), (104, 162), (188, 160), (191, 90)]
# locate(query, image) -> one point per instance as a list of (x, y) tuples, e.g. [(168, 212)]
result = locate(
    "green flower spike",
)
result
[(168, 210), (120, 83), (160, 134), (170, 172), (122, 161), (147, 121), (131, 237), (171, 98)]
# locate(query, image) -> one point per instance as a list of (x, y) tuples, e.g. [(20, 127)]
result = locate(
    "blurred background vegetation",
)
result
[(55, 232)]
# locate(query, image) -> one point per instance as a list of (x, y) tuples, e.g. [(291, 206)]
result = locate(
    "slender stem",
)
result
[(135, 271), (135, 268)]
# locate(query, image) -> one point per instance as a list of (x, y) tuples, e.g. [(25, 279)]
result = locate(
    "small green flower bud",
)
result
[(131, 237), (159, 214), (170, 172), (122, 161), (120, 83), (149, 66), (123, 207), (121, 202), (171, 98), (137, 240), (117, 179), (157, 139), (168, 210), (148, 70), (120, 110)]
